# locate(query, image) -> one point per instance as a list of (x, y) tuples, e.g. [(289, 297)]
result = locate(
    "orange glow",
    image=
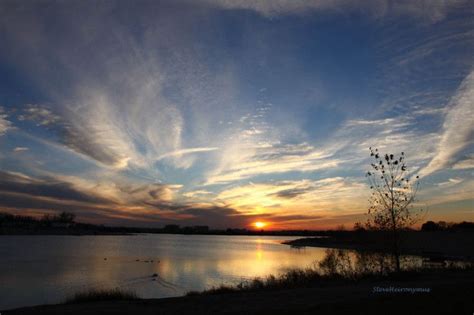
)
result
[(260, 225)]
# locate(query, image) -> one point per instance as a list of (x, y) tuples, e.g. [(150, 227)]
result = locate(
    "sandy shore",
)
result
[(450, 293)]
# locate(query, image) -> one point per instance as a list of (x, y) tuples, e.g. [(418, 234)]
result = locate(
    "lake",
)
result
[(37, 269)]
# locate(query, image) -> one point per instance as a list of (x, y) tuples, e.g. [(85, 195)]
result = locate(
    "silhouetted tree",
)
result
[(463, 226), (393, 194), (358, 227), (336, 262), (430, 226), (66, 217), (171, 228)]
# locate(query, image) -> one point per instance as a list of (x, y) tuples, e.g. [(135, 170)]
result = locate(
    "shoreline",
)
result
[(449, 291), (436, 245)]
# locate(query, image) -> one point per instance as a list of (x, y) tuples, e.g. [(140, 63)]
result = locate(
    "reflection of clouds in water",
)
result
[(64, 265)]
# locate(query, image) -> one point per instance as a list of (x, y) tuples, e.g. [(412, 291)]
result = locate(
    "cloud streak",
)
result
[(182, 152), (4, 123), (316, 197), (432, 10), (48, 188), (458, 128), (465, 164), (42, 115)]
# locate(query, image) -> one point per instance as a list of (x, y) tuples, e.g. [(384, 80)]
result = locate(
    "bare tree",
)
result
[(393, 195)]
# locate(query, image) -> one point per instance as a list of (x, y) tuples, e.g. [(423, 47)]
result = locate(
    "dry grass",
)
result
[(336, 268), (101, 295)]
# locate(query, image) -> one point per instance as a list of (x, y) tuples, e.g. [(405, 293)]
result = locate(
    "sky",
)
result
[(228, 112)]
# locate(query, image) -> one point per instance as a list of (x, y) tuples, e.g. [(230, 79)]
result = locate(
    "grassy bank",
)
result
[(328, 275), (101, 295)]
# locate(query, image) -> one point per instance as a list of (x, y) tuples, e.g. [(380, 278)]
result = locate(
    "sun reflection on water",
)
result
[(181, 263)]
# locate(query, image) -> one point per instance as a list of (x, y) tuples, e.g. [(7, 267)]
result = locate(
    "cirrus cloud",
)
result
[(458, 128), (4, 123)]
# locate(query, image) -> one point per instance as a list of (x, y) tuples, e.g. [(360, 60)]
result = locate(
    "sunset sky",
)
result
[(224, 113)]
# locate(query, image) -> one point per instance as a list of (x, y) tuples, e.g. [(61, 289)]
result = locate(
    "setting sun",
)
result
[(260, 225)]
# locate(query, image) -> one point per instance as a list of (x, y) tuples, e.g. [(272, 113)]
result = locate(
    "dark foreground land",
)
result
[(450, 293)]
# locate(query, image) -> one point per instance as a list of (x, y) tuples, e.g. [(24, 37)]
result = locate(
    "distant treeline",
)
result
[(64, 223), (446, 226)]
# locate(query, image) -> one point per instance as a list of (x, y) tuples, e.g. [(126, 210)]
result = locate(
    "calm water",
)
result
[(46, 269)]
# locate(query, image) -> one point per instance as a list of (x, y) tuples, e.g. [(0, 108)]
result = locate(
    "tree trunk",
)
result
[(396, 249)]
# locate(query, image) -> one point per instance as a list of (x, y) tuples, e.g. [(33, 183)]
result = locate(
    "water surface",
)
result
[(46, 269)]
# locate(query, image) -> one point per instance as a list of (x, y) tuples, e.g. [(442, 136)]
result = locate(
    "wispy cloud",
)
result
[(47, 188), (309, 196), (453, 190), (458, 128), (185, 151), (390, 135), (96, 131), (433, 10), (42, 115), (4, 123), (196, 194), (20, 149), (393, 123), (180, 157), (273, 159), (465, 164), (451, 181)]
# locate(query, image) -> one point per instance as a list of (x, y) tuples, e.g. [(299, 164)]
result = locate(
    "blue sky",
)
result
[(225, 112)]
